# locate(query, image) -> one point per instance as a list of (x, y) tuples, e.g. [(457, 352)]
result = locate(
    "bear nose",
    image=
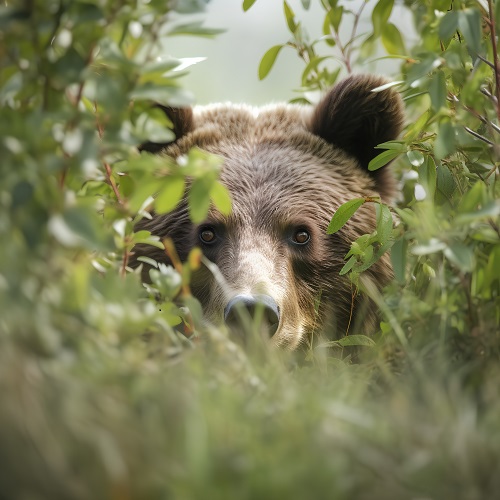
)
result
[(241, 310)]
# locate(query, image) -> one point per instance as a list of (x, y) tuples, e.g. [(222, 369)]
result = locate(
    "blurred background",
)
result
[(230, 71)]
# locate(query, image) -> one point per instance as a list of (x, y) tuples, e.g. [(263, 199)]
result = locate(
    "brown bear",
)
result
[(287, 168)]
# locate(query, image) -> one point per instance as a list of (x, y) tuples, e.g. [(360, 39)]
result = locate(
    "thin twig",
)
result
[(343, 52), (357, 17), (494, 226), (354, 294), (496, 62), (483, 119), (111, 182), (107, 167), (489, 95), (479, 136), (491, 65), (126, 256)]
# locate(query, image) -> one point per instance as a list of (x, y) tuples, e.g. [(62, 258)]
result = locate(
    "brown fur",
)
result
[(289, 167)]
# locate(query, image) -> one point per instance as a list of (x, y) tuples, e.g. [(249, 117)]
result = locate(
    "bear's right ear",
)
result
[(355, 118), (182, 121)]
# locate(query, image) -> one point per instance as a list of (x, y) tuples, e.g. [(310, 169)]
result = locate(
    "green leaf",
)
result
[(469, 22), (153, 126), (151, 71), (69, 67), (199, 199), (268, 61), (407, 215), (380, 15), (419, 70), (492, 270), (392, 40), (348, 265), (427, 176), (79, 226), (169, 95), (432, 246), (148, 260), (170, 195), (195, 29), (445, 141), (290, 17), (415, 129), (368, 47), (383, 159), (351, 340), (461, 255), (448, 25), (445, 181), (438, 91), (384, 223), (398, 259), (221, 198), (146, 237), (306, 4), (312, 66), (343, 214), (335, 17), (491, 209), (326, 31), (247, 4), (399, 146), (167, 280), (473, 198), (143, 193)]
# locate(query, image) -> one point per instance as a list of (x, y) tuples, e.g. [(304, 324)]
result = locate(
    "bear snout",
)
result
[(245, 313)]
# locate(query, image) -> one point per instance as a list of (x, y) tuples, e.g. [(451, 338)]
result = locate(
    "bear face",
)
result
[(288, 168)]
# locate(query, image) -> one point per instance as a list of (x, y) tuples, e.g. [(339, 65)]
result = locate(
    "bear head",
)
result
[(287, 168)]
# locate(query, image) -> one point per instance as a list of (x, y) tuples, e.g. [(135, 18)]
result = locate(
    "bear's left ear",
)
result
[(182, 121), (356, 119)]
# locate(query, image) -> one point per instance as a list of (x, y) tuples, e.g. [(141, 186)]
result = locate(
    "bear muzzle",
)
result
[(245, 314)]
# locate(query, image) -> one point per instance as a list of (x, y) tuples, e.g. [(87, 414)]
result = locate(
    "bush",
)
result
[(90, 410)]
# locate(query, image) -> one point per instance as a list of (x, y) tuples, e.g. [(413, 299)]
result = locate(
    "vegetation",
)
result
[(90, 410)]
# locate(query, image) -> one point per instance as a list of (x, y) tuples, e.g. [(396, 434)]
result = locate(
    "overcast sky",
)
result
[(230, 71)]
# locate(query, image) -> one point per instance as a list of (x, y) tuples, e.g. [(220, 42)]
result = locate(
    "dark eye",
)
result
[(301, 237), (207, 235)]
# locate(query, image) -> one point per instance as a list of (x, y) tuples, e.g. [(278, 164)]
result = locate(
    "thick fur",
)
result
[(288, 167)]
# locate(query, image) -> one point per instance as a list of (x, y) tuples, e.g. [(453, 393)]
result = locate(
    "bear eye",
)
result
[(207, 235), (301, 237)]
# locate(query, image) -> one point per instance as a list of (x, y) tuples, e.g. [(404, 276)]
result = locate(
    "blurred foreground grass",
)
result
[(214, 425)]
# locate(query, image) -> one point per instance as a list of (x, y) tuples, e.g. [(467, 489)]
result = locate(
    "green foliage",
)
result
[(343, 214), (92, 410)]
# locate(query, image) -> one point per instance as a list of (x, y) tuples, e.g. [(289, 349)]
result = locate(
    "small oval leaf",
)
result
[(247, 4), (199, 200), (384, 223), (348, 265), (170, 195), (268, 61), (221, 198), (350, 340), (382, 159), (343, 214)]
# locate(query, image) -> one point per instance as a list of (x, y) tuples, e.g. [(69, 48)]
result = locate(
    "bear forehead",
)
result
[(286, 179), (220, 128), (274, 167), (270, 151)]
